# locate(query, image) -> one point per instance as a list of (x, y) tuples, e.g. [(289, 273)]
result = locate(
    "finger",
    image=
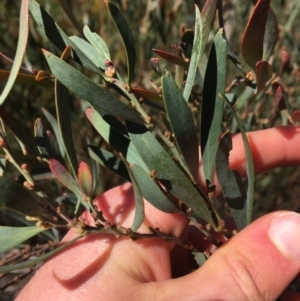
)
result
[(256, 264), (271, 148)]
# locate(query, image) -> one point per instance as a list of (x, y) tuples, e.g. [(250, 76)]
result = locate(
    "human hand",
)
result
[(256, 264)]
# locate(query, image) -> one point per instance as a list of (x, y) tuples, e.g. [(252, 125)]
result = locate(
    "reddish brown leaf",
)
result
[(279, 95), (66, 55), (42, 75), (26, 79), (171, 57), (263, 72), (253, 40), (154, 62), (285, 61), (146, 94), (85, 179)]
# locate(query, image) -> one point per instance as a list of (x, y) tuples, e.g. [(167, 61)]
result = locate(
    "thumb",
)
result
[(256, 264)]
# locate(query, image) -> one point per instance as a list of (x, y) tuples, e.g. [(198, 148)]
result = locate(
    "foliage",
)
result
[(154, 137)]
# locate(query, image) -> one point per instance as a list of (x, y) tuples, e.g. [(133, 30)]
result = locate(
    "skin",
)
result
[(247, 267)]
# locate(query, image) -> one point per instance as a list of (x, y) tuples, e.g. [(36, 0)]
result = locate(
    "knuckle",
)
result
[(245, 277)]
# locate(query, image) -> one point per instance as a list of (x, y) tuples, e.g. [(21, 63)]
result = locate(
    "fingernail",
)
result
[(284, 231)]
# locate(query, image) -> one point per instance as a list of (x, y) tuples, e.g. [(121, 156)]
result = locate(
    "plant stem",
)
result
[(24, 173), (137, 105)]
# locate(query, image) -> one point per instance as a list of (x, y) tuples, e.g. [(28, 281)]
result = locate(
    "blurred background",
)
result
[(155, 24)]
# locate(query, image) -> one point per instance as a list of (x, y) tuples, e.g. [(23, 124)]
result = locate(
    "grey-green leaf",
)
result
[(126, 36), (47, 25), (196, 55), (108, 160), (21, 47), (182, 124), (17, 198), (249, 163), (64, 124), (212, 104), (97, 42), (10, 237), (151, 191), (65, 5), (19, 131), (83, 52), (167, 171), (100, 99), (42, 139), (54, 125), (115, 138), (139, 212), (231, 183), (88, 55)]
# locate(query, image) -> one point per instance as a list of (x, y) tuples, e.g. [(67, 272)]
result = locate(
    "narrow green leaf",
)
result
[(47, 25), (115, 138), (19, 131), (83, 52), (62, 104), (249, 163), (196, 55), (2, 166), (88, 55), (17, 198), (10, 237), (21, 47), (100, 99), (208, 14), (108, 160), (98, 186), (212, 105), (253, 40), (139, 212), (97, 42), (151, 190), (231, 183), (32, 262), (64, 4), (182, 124), (167, 171), (42, 139), (54, 125), (126, 35), (85, 179)]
